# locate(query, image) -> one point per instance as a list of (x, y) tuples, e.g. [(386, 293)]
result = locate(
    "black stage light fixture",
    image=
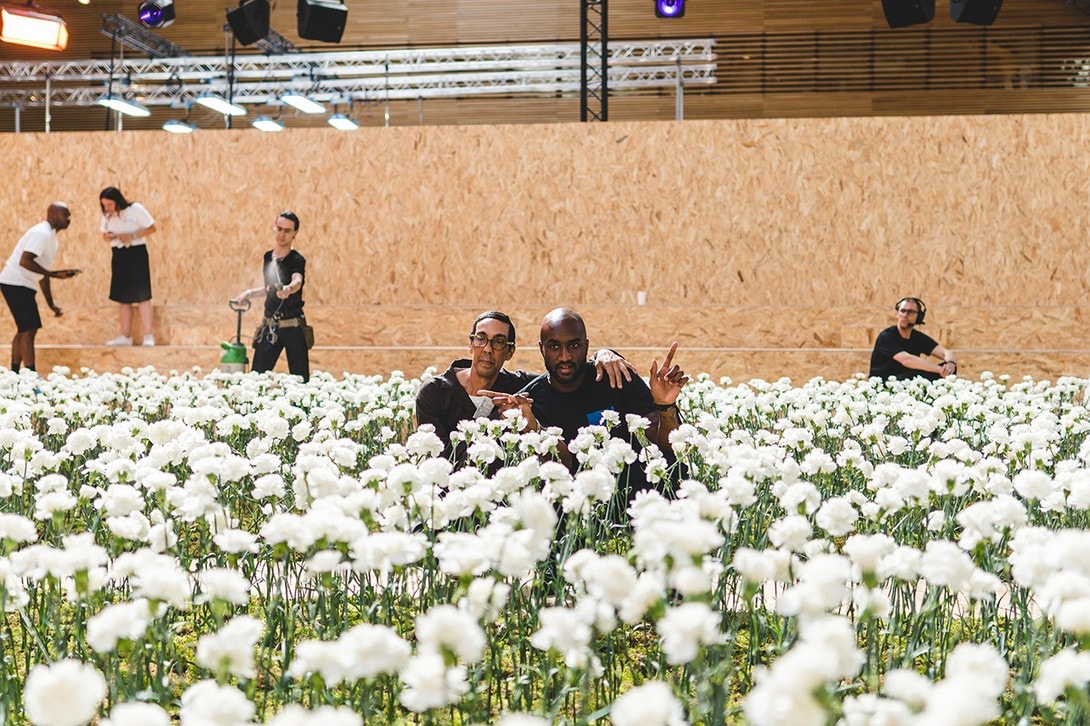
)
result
[(977, 12), (902, 13), (669, 8), (156, 13), (322, 20), (249, 21)]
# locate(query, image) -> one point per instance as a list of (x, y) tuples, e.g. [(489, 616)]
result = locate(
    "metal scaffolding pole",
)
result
[(594, 60)]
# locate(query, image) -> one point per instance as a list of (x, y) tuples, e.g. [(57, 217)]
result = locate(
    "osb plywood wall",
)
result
[(969, 211)]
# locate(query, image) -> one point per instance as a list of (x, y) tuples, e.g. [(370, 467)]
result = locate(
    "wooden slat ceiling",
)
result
[(776, 57)]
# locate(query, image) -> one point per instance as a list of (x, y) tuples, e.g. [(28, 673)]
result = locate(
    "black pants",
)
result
[(266, 352)]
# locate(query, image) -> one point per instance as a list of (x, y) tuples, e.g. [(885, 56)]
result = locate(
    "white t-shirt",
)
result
[(130, 219), (40, 240)]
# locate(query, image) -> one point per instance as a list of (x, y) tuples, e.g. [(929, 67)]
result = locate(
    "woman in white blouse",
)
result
[(126, 226)]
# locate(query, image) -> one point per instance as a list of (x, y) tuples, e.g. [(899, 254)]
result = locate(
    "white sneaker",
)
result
[(120, 340), (149, 341)]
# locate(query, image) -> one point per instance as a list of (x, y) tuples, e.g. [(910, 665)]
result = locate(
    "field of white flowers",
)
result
[(237, 549)]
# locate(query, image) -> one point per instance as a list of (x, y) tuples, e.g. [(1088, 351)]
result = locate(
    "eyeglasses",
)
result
[(282, 230), (499, 343), (908, 311), (573, 346)]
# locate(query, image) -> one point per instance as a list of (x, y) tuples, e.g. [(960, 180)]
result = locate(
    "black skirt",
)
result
[(131, 278)]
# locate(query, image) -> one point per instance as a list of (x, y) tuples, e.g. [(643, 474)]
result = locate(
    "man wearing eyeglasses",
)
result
[(898, 349), (571, 395), (283, 326), (464, 392)]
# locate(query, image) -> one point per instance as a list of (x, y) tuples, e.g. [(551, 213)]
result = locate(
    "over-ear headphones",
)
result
[(919, 304)]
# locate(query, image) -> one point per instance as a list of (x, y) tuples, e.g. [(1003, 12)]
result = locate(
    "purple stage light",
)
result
[(156, 13), (669, 8)]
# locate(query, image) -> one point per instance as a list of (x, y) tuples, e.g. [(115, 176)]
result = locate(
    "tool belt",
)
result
[(269, 326), (289, 323)]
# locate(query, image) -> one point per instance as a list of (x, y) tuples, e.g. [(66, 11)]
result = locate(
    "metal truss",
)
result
[(594, 60), (139, 38), (275, 43), (359, 75)]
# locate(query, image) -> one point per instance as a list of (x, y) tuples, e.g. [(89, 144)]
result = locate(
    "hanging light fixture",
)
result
[(669, 8), (977, 12), (903, 13), (220, 105), (33, 26), (342, 122), (302, 102), (174, 126), (250, 22), (156, 13), (265, 123), (126, 106)]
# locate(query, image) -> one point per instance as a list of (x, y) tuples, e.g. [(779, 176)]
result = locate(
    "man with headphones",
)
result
[(899, 349)]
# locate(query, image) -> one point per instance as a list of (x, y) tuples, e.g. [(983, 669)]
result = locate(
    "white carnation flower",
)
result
[(121, 621), (686, 627), (207, 703), (837, 516), (231, 648), (17, 528), (236, 541), (652, 704), (66, 693), (430, 684), (446, 628), (137, 714), (567, 631), (1066, 669), (295, 715), (522, 719), (790, 533)]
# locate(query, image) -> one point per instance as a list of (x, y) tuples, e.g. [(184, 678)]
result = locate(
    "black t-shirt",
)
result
[(584, 407), (889, 343), (442, 402), (279, 271)]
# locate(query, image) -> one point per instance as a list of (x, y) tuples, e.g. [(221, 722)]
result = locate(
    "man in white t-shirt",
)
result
[(28, 268)]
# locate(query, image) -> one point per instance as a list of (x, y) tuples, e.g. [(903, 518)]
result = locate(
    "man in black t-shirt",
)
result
[(283, 322), (898, 349), (570, 396)]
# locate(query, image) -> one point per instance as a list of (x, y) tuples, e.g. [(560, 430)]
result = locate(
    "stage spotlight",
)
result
[(902, 13), (669, 8), (250, 21), (322, 20), (155, 13), (977, 12), (33, 26)]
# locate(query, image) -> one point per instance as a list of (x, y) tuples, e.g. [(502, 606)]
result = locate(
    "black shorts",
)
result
[(23, 305)]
